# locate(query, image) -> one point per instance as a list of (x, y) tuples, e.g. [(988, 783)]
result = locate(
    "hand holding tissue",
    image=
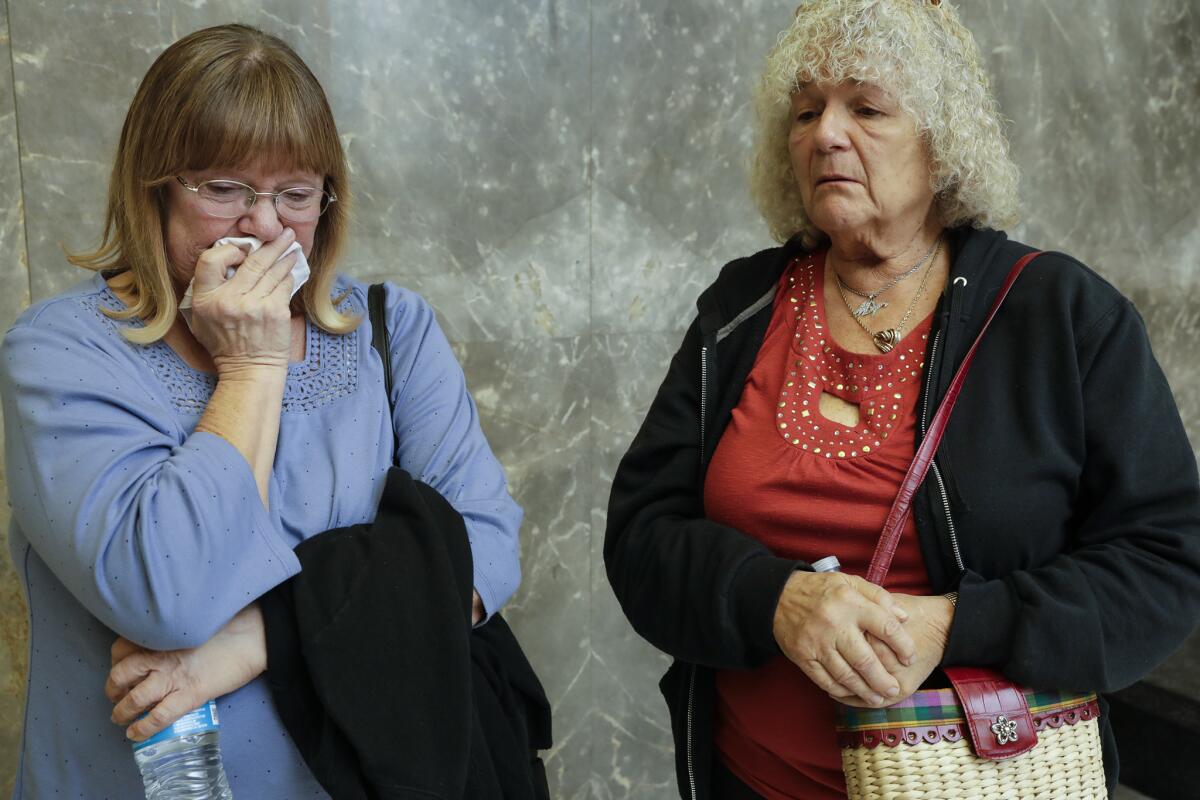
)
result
[(300, 271)]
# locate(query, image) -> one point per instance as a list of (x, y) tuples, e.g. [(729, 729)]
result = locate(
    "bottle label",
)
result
[(202, 720)]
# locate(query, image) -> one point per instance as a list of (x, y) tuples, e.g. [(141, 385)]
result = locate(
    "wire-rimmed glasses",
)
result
[(228, 199)]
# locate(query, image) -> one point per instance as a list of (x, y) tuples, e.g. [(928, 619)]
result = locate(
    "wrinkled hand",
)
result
[(929, 625), (824, 624), (168, 684), (244, 321)]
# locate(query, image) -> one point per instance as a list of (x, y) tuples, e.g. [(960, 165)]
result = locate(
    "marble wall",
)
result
[(561, 178)]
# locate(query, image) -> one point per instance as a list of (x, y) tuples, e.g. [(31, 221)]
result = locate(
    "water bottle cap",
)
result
[(827, 564)]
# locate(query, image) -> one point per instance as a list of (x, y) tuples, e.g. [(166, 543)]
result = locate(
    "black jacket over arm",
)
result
[(380, 680), (1064, 505)]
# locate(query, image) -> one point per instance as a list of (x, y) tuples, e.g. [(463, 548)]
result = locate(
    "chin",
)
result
[(832, 224)]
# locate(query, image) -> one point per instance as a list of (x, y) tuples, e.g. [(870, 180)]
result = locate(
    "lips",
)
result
[(835, 178)]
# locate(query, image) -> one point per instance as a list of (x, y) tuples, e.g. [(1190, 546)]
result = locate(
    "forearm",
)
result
[(244, 410), (234, 656)]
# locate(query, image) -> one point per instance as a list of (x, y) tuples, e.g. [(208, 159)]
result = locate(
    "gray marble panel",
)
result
[(1103, 102), (633, 754), (14, 262), (644, 278), (14, 295), (534, 397), (1166, 289), (672, 139), (73, 83), (467, 127), (531, 285)]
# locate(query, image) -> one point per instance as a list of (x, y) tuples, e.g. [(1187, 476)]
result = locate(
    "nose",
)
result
[(830, 134), (261, 220)]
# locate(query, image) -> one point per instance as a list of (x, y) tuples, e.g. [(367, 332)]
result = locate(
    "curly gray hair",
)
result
[(919, 52)]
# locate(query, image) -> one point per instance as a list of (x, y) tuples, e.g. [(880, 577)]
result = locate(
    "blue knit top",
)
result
[(125, 520)]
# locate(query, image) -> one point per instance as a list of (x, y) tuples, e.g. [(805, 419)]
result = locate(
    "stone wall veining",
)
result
[(560, 178), (14, 295)]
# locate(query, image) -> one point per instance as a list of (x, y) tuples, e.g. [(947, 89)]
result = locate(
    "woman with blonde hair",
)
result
[(163, 464), (1056, 537)]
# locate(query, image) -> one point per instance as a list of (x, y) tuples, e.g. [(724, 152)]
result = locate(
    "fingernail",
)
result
[(892, 692), (288, 232), (876, 699)]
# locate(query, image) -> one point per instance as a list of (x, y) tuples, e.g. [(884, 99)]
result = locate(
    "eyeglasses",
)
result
[(231, 199)]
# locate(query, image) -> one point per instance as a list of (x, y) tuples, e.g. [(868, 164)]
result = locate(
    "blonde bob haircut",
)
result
[(921, 55), (219, 97)]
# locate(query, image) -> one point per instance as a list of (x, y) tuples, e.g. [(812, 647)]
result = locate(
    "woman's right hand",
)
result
[(245, 321), (821, 624)]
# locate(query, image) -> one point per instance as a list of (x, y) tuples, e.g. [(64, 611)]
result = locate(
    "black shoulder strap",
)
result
[(379, 333), (382, 344)]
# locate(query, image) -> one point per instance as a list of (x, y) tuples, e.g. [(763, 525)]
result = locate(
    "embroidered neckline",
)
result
[(877, 383), (329, 369)]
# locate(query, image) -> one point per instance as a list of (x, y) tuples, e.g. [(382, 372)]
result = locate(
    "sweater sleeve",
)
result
[(1101, 615), (698, 590), (160, 534), (440, 443)]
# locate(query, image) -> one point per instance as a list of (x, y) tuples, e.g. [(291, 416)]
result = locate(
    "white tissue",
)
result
[(300, 271)]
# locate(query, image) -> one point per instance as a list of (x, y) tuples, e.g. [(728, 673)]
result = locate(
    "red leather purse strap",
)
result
[(881, 562)]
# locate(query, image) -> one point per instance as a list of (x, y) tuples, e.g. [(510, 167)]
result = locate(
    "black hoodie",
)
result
[(1064, 504)]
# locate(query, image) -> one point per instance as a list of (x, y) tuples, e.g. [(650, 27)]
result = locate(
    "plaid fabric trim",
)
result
[(931, 707)]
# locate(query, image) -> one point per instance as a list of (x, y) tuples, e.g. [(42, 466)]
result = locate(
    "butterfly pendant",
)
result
[(868, 308)]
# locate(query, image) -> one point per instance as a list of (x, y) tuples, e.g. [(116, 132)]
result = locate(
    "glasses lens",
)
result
[(301, 204), (225, 198)]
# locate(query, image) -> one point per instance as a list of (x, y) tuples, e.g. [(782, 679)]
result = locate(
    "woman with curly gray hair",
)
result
[(1057, 536)]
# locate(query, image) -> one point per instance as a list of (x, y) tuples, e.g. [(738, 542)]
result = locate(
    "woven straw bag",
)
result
[(983, 738), (922, 749)]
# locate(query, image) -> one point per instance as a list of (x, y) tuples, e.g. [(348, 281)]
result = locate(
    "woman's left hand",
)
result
[(929, 625), (477, 611), (168, 684)]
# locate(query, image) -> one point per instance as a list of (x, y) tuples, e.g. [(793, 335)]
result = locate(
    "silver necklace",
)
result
[(869, 307), (888, 338)]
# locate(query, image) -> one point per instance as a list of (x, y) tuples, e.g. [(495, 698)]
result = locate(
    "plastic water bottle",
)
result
[(183, 762)]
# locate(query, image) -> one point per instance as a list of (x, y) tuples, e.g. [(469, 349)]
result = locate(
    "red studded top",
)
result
[(808, 487)]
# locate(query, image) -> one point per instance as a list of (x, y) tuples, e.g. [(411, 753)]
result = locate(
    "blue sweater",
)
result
[(126, 521)]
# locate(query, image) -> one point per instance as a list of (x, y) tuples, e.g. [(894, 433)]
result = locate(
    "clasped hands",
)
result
[(860, 644)]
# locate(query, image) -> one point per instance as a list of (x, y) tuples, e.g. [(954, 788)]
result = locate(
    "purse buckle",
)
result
[(998, 721)]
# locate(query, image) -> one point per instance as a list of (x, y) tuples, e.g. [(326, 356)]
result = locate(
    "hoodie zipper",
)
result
[(691, 771), (937, 473), (703, 400)]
